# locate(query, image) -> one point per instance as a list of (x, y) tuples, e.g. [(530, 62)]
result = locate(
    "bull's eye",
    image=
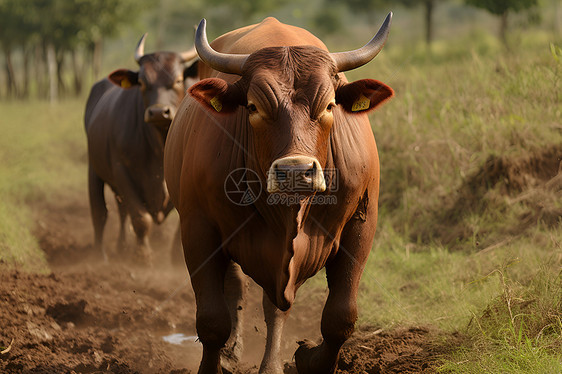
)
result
[(179, 82), (330, 107), (252, 108)]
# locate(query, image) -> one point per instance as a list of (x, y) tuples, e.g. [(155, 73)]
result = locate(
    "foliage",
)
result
[(502, 8), (499, 7), (64, 25)]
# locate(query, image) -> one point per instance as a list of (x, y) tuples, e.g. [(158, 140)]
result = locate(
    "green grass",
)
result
[(43, 155), (483, 260), (519, 332)]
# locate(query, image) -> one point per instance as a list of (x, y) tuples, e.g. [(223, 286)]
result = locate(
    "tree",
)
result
[(17, 30), (53, 30), (502, 8), (429, 6), (362, 6)]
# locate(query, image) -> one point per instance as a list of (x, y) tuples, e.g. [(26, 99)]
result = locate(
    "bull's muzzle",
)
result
[(159, 113), (296, 174)]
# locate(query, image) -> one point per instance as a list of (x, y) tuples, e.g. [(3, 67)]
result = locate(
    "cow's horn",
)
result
[(139, 52), (188, 55), (223, 62), (359, 57)]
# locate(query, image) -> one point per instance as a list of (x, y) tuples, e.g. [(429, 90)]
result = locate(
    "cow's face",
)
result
[(291, 96), (161, 80)]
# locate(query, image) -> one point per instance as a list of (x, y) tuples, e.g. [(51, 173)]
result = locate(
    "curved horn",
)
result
[(223, 62), (139, 52), (188, 55), (353, 59)]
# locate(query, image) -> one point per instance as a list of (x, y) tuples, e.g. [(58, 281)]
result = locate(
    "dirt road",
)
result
[(87, 316)]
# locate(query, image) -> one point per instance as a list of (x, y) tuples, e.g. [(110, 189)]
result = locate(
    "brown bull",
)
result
[(127, 119), (276, 112)]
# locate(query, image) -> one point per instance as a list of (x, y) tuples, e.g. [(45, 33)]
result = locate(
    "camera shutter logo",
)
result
[(242, 186)]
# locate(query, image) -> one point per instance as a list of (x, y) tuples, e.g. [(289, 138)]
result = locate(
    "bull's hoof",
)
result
[(229, 361), (141, 256), (311, 359), (275, 368)]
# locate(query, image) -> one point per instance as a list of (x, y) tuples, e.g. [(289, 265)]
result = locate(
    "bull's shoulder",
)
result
[(96, 93)]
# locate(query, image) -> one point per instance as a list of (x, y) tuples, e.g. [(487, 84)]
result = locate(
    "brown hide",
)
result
[(279, 246)]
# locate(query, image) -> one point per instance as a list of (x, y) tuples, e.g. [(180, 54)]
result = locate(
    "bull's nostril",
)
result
[(311, 171)]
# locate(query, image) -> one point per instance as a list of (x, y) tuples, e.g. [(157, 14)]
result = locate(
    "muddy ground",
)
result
[(87, 316)]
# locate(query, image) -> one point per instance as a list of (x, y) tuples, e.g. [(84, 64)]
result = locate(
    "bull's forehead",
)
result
[(295, 63), (305, 75), (161, 68)]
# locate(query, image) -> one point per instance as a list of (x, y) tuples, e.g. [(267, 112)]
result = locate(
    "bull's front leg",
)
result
[(235, 289), (122, 240), (207, 267), (340, 311), (98, 209), (141, 219), (275, 322)]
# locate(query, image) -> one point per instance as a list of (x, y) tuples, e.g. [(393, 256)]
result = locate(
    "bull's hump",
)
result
[(270, 20), (268, 33)]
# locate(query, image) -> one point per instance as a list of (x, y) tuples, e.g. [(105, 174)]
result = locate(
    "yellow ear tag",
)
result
[(216, 103), (362, 103), (125, 83)]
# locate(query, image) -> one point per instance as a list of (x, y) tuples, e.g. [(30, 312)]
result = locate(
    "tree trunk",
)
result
[(52, 68), (78, 72), (11, 86), (428, 22), (503, 28), (60, 77), (26, 56), (40, 71)]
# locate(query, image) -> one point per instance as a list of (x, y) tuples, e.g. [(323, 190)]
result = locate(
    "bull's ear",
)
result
[(217, 95), (363, 95), (124, 78)]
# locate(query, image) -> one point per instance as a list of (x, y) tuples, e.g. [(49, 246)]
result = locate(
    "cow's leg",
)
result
[(340, 311), (207, 267), (122, 240), (142, 225), (235, 288), (140, 218), (275, 321), (98, 209)]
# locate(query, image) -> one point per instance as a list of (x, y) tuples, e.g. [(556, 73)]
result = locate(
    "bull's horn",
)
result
[(139, 52), (223, 62), (353, 59), (188, 55)]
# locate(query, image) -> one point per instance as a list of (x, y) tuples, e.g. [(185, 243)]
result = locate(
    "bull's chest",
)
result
[(277, 257)]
